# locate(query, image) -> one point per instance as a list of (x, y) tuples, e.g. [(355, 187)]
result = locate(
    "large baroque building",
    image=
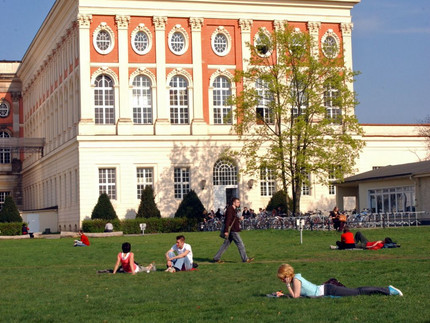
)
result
[(124, 94)]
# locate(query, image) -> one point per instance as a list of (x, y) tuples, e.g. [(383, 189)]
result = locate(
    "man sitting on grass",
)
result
[(84, 242), (180, 256)]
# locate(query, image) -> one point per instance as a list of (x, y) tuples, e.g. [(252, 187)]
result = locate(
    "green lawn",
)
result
[(48, 280)]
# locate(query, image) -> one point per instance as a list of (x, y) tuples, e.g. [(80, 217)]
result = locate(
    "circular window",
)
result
[(262, 44), (4, 109), (220, 44), (330, 47), (103, 39), (141, 42), (177, 43)]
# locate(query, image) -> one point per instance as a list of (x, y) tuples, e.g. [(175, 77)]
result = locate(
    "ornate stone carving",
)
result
[(16, 96), (122, 21), (245, 25), (346, 28), (196, 24), (159, 22), (84, 20), (314, 27), (279, 24)]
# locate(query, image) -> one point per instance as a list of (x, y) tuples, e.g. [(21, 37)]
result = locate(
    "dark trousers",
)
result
[(360, 240), (334, 290)]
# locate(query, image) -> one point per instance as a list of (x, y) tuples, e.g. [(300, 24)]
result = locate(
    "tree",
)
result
[(295, 111), (424, 131), (191, 207), (104, 209), (147, 206), (279, 199), (9, 212)]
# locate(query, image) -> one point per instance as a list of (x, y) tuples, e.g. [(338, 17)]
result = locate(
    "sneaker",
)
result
[(334, 247), (395, 291), (250, 260), (170, 270), (218, 261)]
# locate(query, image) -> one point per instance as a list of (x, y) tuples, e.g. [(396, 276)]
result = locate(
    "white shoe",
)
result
[(395, 291), (334, 247)]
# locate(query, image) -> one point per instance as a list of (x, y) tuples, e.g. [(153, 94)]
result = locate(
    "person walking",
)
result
[(231, 232)]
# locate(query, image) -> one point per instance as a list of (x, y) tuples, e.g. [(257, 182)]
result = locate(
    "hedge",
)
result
[(11, 228), (153, 225)]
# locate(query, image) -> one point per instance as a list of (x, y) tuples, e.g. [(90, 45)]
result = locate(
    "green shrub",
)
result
[(10, 228), (9, 212), (191, 208), (98, 225), (154, 225), (104, 209), (279, 199), (147, 206)]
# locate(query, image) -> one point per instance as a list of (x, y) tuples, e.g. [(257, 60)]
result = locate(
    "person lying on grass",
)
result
[(128, 265), (298, 286), (349, 241)]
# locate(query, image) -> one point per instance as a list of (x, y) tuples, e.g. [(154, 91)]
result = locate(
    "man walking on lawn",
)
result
[(232, 220)]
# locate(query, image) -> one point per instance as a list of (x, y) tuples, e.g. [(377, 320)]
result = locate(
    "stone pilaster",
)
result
[(245, 28), (314, 31)]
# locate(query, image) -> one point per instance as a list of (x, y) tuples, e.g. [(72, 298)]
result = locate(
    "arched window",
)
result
[(264, 110), (221, 92), (142, 100), (104, 100), (4, 152), (225, 172), (179, 100)]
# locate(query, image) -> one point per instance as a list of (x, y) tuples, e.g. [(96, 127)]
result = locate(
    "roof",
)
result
[(393, 171)]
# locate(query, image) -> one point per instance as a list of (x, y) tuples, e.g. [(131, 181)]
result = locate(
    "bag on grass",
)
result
[(334, 281)]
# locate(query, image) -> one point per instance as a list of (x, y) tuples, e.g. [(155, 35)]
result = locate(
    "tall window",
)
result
[(221, 92), (142, 100), (330, 95), (267, 181), (2, 198), (225, 172), (181, 181), (300, 98), (104, 100), (145, 178), (107, 182), (179, 100), (393, 199), (332, 178), (264, 111), (306, 185), (4, 152)]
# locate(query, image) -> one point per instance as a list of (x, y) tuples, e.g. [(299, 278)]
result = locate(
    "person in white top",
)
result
[(180, 256)]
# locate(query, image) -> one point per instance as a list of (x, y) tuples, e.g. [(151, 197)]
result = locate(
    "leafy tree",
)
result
[(104, 209), (147, 206), (9, 212), (295, 111), (191, 207)]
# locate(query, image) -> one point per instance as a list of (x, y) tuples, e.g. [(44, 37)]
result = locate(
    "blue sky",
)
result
[(391, 46)]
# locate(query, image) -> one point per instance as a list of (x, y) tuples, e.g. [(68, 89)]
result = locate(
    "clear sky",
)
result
[(391, 49)]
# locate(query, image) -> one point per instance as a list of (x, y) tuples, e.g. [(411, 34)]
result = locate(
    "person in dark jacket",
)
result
[(232, 221)]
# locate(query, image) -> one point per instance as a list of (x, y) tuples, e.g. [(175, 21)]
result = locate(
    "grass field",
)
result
[(46, 280)]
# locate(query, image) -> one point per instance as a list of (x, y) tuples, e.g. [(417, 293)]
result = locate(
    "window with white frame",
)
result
[(145, 178), (107, 182), (4, 152), (330, 44), (221, 93), (181, 181), (179, 100), (332, 178), (104, 101), (392, 199), (141, 39), (3, 198), (262, 43), (103, 39), (299, 98), (306, 185), (221, 41), (264, 110), (330, 96), (178, 40), (225, 172), (4, 108), (267, 181), (142, 100)]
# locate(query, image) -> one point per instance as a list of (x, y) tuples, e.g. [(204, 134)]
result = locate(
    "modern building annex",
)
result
[(125, 94)]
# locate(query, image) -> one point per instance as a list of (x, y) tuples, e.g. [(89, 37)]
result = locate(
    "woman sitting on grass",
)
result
[(126, 258), (298, 286)]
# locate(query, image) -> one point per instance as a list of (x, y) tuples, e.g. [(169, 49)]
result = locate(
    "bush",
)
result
[(9, 212), (98, 225), (10, 228), (147, 207), (191, 208), (279, 199), (154, 225), (104, 209)]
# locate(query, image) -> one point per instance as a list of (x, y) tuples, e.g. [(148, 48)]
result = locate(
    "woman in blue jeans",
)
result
[(298, 286)]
